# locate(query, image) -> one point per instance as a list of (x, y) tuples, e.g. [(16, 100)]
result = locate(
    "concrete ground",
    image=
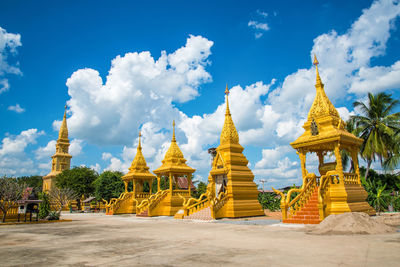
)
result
[(97, 239)]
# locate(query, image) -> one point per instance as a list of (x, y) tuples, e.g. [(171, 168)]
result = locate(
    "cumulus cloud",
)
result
[(13, 159), (137, 89), (17, 108), (259, 27), (8, 46)]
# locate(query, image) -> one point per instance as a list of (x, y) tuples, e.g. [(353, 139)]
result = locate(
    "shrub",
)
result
[(53, 216), (44, 206), (269, 201)]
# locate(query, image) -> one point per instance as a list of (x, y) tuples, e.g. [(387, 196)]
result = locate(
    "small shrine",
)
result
[(231, 191), (167, 202), (334, 191), (138, 175), (61, 160)]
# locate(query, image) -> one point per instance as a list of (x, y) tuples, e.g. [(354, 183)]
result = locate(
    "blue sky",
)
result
[(105, 59)]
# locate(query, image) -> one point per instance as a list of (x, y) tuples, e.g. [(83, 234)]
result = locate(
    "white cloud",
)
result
[(8, 46), (258, 25), (46, 151), (262, 13), (13, 159), (17, 108), (96, 167), (376, 79), (137, 89), (76, 147)]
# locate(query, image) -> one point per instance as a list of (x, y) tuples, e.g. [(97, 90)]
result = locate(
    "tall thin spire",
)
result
[(140, 145), (318, 82), (63, 134), (227, 112), (229, 133), (173, 131)]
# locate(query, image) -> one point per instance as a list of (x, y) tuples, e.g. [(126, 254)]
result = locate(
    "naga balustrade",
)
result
[(351, 178), (198, 204), (218, 203), (331, 177), (151, 202), (291, 206)]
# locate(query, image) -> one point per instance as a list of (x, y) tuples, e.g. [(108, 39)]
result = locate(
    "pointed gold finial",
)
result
[(315, 63), (63, 134), (65, 111), (173, 131), (140, 135), (227, 112)]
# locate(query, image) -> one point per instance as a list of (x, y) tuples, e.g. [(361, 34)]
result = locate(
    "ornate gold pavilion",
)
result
[(61, 160), (138, 175), (167, 202), (334, 191), (231, 191)]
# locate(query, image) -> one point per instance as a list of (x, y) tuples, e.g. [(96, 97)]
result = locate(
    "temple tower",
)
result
[(61, 160), (231, 191), (174, 168), (137, 175), (334, 191)]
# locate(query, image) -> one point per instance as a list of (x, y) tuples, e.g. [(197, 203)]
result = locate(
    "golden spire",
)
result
[(319, 82), (139, 162), (229, 134), (63, 134), (321, 106), (173, 131)]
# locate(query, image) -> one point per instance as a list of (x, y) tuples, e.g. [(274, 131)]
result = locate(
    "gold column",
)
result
[(354, 157), (170, 182), (126, 186), (302, 156), (189, 180), (339, 167), (158, 183), (151, 186)]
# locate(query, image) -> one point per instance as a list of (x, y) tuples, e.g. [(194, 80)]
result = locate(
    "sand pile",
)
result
[(392, 219), (351, 223)]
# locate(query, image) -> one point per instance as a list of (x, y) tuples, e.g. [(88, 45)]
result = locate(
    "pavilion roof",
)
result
[(324, 127), (139, 168), (174, 160)]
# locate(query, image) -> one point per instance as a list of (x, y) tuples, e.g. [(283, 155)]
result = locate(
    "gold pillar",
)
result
[(354, 157), (302, 156), (339, 167), (134, 187), (126, 186), (151, 186), (189, 180), (158, 183), (170, 182)]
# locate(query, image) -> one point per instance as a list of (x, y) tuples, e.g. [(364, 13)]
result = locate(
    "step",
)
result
[(305, 217), (312, 209), (304, 212), (311, 221)]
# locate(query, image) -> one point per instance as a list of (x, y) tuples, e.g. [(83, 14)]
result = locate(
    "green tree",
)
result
[(44, 206), (108, 185), (34, 181), (79, 179), (10, 192), (201, 189), (378, 126)]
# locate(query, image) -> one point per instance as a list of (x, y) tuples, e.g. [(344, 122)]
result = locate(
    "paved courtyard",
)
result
[(96, 239)]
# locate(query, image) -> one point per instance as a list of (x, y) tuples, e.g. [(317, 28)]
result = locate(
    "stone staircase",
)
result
[(144, 213), (203, 214), (309, 213)]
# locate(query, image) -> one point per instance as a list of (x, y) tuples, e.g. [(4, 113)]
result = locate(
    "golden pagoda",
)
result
[(61, 160), (138, 175), (231, 191), (167, 202), (334, 191)]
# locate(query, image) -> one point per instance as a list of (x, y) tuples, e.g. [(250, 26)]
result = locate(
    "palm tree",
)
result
[(378, 126)]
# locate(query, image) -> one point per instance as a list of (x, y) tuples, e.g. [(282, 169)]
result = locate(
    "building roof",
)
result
[(139, 168), (174, 160)]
